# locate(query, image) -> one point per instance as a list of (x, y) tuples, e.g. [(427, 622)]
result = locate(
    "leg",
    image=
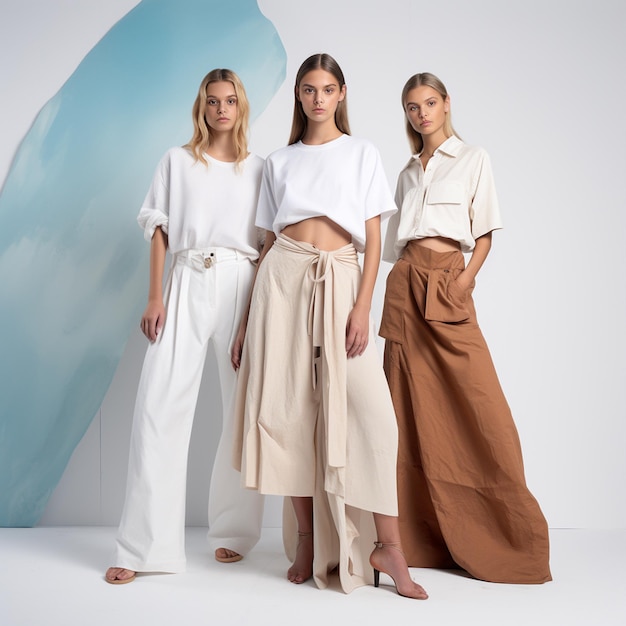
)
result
[(235, 514), (373, 445), (151, 533), (388, 557), (302, 568)]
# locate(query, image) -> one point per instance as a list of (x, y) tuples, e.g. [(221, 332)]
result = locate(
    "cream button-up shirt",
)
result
[(454, 197)]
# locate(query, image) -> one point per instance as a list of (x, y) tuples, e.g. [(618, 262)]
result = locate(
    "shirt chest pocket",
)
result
[(445, 193)]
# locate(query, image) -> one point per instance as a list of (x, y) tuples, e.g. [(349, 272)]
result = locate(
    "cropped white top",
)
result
[(343, 180), (455, 197)]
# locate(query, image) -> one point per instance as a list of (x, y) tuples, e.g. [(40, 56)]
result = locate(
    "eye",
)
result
[(412, 108), (431, 103), (232, 101), (330, 90), (211, 102), (308, 90)]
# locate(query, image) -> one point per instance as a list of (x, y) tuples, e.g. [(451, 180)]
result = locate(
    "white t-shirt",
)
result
[(343, 180), (455, 198), (201, 206)]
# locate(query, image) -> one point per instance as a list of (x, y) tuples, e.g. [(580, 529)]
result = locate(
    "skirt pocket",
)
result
[(445, 300)]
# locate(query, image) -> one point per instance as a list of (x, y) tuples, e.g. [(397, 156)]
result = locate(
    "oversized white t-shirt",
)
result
[(343, 180), (455, 197), (201, 206)]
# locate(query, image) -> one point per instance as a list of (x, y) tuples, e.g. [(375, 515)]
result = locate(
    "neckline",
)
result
[(219, 161), (321, 146)]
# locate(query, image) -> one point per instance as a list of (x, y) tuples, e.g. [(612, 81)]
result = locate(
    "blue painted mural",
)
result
[(73, 265)]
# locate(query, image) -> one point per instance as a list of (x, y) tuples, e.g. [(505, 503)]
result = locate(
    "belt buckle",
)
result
[(208, 261)]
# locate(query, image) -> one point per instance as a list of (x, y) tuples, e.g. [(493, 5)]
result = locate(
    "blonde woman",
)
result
[(462, 494), (316, 418), (201, 207)]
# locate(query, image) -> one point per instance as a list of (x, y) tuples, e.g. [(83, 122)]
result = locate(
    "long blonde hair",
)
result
[(299, 124), (428, 80), (202, 132)]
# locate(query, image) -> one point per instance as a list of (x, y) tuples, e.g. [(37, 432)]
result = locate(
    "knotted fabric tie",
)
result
[(328, 332)]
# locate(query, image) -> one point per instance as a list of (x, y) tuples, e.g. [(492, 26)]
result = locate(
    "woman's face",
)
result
[(426, 111), (221, 106), (319, 93)]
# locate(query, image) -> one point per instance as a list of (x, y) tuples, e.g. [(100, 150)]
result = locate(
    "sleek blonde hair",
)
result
[(428, 80), (299, 124), (202, 132)]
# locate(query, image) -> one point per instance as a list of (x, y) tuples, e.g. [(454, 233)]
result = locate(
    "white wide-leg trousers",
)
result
[(205, 294)]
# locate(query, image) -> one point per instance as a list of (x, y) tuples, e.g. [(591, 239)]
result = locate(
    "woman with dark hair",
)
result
[(316, 417), (462, 493), (201, 206)]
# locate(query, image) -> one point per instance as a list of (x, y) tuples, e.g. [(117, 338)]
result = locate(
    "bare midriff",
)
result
[(438, 244), (320, 232)]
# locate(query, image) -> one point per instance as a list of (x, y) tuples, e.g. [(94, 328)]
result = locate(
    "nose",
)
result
[(319, 98), (221, 108)]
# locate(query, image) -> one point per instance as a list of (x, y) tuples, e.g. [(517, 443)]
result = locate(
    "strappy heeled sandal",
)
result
[(396, 546)]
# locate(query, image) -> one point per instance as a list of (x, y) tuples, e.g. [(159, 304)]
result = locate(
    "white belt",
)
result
[(205, 258)]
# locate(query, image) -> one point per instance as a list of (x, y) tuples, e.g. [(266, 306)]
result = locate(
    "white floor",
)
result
[(54, 576)]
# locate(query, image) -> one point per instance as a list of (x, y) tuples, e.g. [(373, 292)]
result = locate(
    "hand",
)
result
[(235, 353), (357, 331), (153, 319), (463, 281)]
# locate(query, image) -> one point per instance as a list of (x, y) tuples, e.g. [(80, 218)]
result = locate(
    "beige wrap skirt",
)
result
[(463, 499), (312, 422)]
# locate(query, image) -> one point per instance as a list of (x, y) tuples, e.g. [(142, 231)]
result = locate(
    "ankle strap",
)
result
[(396, 545)]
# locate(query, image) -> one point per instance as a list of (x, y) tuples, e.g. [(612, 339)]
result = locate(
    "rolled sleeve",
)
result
[(151, 219), (154, 211)]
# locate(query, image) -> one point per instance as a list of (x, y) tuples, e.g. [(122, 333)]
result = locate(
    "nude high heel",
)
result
[(380, 545), (396, 546)]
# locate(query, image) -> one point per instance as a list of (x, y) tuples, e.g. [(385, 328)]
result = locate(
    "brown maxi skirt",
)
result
[(463, 499), (310, 421)]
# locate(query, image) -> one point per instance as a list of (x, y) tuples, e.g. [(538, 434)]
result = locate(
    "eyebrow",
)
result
[(324, 87), (417, 103), (212, 96)]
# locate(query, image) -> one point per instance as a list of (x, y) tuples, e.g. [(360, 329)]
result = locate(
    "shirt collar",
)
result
[(451, 146)]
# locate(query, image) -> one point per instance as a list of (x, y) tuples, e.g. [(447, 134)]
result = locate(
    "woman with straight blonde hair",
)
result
[(463, 499), (201, 207), (313, 407)]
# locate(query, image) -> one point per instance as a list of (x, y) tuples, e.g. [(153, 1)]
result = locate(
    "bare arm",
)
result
[(357, 327), (154, 316), (479, 254), (235, 355)]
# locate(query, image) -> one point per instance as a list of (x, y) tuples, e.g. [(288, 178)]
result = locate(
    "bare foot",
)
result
[(389, 559), (302, 568), (224, 555), (119, 575)]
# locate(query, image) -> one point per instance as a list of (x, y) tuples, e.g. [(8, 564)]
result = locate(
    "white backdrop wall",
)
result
[(540, 85)]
